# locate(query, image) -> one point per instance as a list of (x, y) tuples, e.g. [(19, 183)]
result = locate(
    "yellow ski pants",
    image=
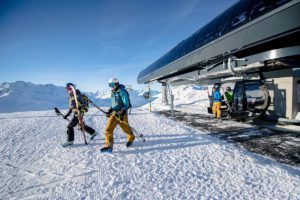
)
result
[(217, 109), (111, 125)]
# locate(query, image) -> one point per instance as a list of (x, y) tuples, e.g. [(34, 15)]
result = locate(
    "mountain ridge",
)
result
[(26, 96)]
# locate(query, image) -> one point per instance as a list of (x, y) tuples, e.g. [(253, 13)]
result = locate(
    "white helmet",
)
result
[(113, 83), (113, 80)]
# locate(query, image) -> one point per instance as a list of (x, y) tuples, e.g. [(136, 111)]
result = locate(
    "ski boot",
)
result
[(106, 149), (66, 144), (129, 143), (92, 136)]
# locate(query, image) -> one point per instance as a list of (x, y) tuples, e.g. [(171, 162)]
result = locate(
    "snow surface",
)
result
[(176, 162)]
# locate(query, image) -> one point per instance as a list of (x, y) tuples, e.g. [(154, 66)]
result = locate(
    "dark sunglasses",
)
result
[(69, 89)]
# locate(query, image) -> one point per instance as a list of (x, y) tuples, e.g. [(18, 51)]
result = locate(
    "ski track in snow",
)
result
[(175, 162)]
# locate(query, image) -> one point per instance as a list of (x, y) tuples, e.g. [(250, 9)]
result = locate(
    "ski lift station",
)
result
[(254, 46)]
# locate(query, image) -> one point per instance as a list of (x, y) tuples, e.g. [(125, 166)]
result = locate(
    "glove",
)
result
[(121, 114), (110, 110), (66, 116)]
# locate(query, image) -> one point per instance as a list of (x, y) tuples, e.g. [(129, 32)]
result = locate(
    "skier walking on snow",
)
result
[(217, 102), (82, 107), (117, 114)]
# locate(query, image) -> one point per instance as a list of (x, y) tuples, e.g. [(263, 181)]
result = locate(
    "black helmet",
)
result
[(70, 84), (228, 88)]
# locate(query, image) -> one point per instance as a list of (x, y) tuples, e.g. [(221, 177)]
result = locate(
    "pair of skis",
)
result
[(79, 115)]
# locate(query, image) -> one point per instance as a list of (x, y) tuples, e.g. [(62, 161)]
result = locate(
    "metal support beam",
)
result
[(164, 96)]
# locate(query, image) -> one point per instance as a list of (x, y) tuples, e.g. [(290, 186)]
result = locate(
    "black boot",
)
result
[(129, 143), (106, 149)]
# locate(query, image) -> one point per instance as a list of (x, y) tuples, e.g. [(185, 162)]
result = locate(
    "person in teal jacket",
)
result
[(117, 114), (217, 102)]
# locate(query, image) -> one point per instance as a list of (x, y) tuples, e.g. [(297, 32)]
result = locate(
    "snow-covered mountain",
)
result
[(25, 96), (136, 97)]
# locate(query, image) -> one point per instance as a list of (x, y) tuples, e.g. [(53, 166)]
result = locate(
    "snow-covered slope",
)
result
[(26, 96), (189, 98), (175, 162)]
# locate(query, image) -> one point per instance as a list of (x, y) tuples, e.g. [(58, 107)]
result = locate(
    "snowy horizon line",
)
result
[(52, 84)]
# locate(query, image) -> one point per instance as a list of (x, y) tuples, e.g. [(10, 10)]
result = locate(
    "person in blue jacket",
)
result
[(117, 114), (217, 102)]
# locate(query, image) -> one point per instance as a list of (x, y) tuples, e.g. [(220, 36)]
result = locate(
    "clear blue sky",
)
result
[(90, 41)]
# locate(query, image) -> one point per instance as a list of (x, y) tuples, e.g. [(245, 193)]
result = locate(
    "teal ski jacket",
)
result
[(119, 100)]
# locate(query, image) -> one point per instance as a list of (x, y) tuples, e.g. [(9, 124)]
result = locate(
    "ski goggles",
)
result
[(69, 90), (112, 85)]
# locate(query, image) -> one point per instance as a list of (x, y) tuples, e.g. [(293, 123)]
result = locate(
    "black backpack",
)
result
[(85, 104)]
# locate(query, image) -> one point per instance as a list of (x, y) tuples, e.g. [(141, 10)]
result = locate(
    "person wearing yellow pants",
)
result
[(217, 103), (117, 114), (113, 121), (216, 110)]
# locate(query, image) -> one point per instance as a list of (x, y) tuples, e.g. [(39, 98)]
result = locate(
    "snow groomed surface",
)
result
[(176, 162)]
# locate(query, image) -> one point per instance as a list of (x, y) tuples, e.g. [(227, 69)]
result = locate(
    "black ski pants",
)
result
[(71, 126)]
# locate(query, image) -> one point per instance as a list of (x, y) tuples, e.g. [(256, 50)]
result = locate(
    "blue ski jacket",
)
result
[(119, 100), (217, 96)]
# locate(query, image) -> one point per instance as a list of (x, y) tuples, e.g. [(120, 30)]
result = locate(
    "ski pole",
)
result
[(59, 113), (97, 107), (133, 129)]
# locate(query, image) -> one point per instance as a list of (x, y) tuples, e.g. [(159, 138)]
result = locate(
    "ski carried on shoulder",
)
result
[(79, 116)]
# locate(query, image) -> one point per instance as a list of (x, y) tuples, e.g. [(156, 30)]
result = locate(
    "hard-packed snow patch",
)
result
[(175, 162)]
